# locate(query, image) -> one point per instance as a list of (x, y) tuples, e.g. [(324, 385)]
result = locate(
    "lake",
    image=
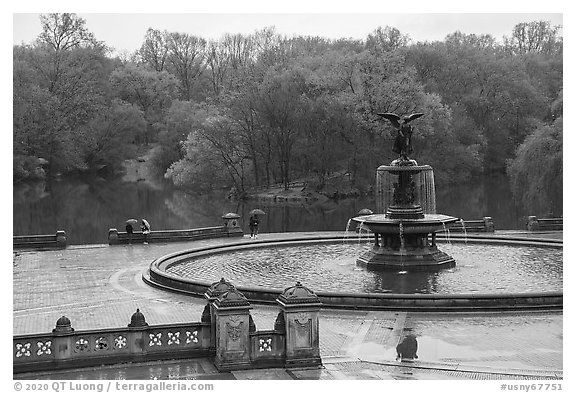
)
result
[(86, 207)]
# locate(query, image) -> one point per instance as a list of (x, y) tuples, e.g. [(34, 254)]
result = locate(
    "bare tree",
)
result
[(154, 49), (187, 60), (65, 31)]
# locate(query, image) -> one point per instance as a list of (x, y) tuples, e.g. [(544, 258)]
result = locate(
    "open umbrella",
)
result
[(256, 212), (365, 212), (146, 224), (132, 221)]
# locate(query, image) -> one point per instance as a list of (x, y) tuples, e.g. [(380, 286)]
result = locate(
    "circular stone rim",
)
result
[(157, 276)]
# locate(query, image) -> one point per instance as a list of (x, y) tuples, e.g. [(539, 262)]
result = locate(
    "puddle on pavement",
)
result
[(434, 350)]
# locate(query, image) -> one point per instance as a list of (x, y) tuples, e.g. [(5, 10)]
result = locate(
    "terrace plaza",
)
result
[(101, 286)]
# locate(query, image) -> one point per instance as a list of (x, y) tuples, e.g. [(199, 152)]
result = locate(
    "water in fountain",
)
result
[(464, 230), (426, 196), (361, 228), (347, 232), (384, 192), (402, 250), (425, 189), (482, 268), (406, 205), (446, 232)]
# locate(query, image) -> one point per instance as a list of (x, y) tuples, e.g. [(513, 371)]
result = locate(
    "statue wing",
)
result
[(394, 118), (414, 116)]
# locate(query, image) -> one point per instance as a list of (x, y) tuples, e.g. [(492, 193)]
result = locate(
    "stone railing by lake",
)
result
[(226, 334), (545, 224), (57, 240), (230, 228), (486, 224)]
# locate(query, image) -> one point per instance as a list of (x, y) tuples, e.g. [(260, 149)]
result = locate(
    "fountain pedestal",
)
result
[(405, 236), (405, 244)]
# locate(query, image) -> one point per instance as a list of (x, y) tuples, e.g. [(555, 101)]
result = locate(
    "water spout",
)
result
[(446, 232), (361, 228), (401, 232), (347, 232), (464, 229)]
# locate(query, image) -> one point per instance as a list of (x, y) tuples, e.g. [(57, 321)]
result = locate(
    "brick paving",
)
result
[(101, 286)]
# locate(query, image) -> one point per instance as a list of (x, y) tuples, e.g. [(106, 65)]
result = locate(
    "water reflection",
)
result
[(406, 350), (86, 207), (398, 282)]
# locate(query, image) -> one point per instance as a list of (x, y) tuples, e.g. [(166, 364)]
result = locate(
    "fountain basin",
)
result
[(404, 244), (379, 223), (335, 293)]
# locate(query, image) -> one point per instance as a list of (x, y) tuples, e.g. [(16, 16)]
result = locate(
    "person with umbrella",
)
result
[(130, 228), (254, 222), (145, 230)]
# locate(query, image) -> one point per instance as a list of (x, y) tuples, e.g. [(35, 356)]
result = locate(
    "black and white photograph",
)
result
[(242, 196)]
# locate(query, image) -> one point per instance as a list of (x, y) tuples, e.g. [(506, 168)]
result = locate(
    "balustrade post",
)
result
[(231, 224), (137, 334), (232, 312), (533, 224), (488, 224), (61, 239), (300, 307), (217, 289), (63, 341), (113, 236)]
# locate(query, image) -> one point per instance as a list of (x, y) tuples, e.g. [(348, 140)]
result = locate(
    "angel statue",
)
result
[(403, 141)]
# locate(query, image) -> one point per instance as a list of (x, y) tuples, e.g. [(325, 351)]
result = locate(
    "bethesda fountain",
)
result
[(406, 222)]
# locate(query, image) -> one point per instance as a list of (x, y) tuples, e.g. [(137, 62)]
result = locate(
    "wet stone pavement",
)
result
[(101, 286)]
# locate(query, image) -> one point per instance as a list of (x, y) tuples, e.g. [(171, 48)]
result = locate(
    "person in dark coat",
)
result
[(129, 231), (253, 227)]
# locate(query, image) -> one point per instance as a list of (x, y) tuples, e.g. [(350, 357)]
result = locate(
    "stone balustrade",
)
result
[(57, 240), (116, 237), (226, 333), (486, 224), (229, 228), (544, 224), (267, 348), (67, 348)]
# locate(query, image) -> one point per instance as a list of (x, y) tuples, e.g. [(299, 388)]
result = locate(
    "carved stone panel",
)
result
[(234, 331), (303, 332)]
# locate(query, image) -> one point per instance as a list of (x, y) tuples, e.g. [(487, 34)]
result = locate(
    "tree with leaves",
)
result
[(536, 172), (534, 37), (110, 135), (152, 91), (60, 85)]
